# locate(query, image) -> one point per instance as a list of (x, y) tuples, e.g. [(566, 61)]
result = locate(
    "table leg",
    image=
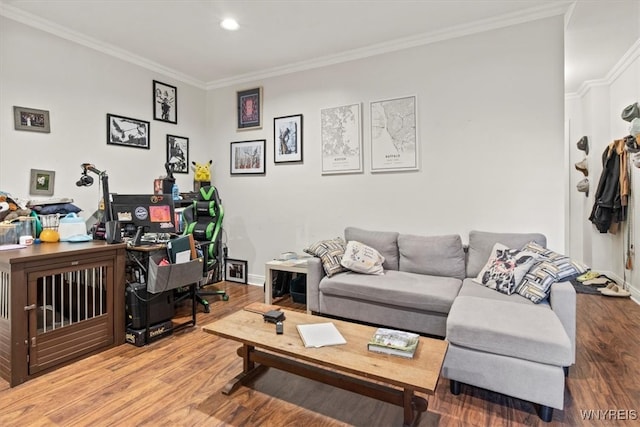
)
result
[(249, 370), (268, 285), (413, 406)]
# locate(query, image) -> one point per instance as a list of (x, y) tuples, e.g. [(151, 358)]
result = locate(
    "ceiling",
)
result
[(183, 39)]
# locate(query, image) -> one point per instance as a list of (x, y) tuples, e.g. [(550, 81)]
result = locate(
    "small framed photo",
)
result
[(250, 109), (247, 157), (128, 132), (178, 153), (287, 139), (32, 120), (165, 102), (235, 270), (42, 182)]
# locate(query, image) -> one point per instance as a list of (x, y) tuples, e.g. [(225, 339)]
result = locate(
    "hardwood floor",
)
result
[(176, 381)]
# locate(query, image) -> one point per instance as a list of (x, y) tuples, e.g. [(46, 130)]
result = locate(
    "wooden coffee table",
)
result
[(350, 366)]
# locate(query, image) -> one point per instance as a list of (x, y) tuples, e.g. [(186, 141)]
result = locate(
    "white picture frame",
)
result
[(341, 139), (394, 135)]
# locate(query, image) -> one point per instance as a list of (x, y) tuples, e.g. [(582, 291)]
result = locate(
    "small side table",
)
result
[(294, 266)]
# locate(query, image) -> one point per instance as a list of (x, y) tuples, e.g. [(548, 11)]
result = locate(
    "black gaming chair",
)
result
[(203, 220)]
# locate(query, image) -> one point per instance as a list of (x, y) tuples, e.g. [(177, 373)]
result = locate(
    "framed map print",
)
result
[(341, 139), (394, 145)]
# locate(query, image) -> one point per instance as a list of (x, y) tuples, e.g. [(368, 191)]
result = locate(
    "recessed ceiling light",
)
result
[(229, 24)]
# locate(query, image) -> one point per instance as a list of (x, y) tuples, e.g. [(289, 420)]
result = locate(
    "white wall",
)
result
[(595, 112), (79, 86), (490, 123)]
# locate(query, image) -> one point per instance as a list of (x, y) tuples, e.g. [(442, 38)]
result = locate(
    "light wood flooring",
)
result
[(176, 381)]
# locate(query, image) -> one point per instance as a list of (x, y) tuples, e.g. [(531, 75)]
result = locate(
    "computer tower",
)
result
[(161, 306)]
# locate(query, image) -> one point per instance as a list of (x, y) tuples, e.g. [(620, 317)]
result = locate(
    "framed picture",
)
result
[(394, 145), (165, 102), (235, 270), (250, 109), (42, 182), (31, 119), (287, 139), (178, 153), (341, 139), (247, 157), (128, 132)]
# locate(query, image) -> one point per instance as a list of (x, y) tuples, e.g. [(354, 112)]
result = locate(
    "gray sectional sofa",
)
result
[(504, 343)]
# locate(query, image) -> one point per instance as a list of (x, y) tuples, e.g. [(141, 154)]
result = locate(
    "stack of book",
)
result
[(397, 343)]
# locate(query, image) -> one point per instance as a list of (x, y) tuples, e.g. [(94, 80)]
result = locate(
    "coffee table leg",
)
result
[(249, 370), (413, 406)]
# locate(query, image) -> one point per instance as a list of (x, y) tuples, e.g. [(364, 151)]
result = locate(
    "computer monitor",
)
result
[(146, 213)]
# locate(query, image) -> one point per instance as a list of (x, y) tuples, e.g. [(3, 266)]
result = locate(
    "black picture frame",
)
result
[(235, 270), (165, 102), (178, 153), (249, 108), (128, 132), (248, 157), (287, 139)]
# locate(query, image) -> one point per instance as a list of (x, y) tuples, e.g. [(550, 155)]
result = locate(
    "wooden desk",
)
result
[(350, 366), (42, 324)]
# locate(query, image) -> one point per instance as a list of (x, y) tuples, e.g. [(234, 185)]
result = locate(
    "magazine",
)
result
[(397, 343), (320, 335)]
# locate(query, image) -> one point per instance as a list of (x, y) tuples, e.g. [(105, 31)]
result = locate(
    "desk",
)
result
[(59, 302), (293, 266)]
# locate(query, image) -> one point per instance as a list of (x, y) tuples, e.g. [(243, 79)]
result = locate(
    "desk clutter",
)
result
[(160, 275)]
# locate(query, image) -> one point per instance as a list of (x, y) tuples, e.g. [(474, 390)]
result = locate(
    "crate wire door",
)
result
[(70, 312)]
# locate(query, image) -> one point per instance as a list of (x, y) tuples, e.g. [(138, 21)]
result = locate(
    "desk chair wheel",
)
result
[(225, 297)]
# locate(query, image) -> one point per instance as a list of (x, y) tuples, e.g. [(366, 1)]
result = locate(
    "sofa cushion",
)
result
[(409, 291), (385, 242), (538, 280), (362, 259), (506, 268), (433, 255), (471, 288), (529, 332), (481, 243), (330, 253)]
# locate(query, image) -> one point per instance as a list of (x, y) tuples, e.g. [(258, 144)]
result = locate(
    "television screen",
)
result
[(153, 212)]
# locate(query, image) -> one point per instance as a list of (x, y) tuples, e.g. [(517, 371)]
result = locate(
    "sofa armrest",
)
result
[(315, 273), (563, 302)]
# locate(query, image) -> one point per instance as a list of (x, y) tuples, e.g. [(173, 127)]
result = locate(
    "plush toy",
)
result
[(9, 209), (202, 171)]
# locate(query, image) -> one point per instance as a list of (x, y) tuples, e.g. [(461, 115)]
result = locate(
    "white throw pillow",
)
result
[(361, 258), (506, 268)]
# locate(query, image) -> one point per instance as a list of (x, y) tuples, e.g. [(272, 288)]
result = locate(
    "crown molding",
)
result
[(630, 56), (506, 20), (34, 21)]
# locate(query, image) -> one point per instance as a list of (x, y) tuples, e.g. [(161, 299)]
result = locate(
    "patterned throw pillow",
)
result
[(361, 258), (566, 267), (537, 282), (330, 253), (506, 268), (552, 267)]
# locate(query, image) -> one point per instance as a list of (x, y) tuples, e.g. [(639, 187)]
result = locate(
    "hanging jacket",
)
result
[(610, 206)]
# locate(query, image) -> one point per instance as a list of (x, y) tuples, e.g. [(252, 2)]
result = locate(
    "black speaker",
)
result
[(112, 232)]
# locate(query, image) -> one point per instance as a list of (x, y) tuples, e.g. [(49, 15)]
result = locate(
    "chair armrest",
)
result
[(563, 302), (315, 273)]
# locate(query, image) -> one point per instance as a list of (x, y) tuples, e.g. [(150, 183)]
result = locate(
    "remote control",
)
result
[(279, 328)]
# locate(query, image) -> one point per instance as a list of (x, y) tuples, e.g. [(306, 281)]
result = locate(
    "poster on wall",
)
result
[(394, 144), (341, 139)]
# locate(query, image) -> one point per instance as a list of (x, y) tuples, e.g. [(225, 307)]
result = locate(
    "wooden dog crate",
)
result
[(59, 302)]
